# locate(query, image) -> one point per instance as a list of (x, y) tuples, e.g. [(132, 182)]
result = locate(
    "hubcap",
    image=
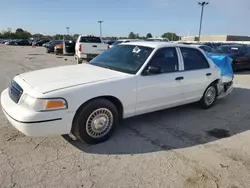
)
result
[(99, 123), (210, 95)]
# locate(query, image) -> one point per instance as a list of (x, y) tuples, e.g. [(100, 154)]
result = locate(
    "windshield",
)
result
[(228, 49), (123, 58)]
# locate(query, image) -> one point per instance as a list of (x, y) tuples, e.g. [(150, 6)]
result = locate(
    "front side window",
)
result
[(166, 59), (123, 58), (193, 59)]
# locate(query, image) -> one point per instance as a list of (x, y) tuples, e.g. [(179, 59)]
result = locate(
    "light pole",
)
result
[(100, 22), (202, 4), (68, 30)]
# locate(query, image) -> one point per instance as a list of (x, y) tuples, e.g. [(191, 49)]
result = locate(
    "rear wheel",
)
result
[(209, 97), (95, 122)]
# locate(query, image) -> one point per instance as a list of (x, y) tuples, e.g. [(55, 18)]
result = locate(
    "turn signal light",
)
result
[(55, 104)]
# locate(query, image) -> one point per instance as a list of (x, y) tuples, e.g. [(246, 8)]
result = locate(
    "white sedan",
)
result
[(88, 100)]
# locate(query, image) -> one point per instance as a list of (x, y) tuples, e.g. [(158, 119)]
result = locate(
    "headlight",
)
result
[(43, 104)]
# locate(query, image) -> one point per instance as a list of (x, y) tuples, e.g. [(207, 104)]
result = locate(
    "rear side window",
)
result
[(90, 40), (193, 59)]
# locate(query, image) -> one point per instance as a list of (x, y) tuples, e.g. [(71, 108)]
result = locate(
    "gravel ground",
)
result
[(175, 148)]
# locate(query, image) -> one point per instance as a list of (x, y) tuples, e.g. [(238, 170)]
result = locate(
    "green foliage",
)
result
[(22, 34), (149, 35), (18, 34), (131, 35), (170, 36)]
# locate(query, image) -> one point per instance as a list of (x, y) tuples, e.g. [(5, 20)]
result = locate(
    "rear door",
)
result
[(197, 73)]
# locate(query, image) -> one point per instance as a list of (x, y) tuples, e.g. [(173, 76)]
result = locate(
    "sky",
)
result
[(123, 16)]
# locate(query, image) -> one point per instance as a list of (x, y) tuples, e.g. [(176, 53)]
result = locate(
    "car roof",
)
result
[(128, 39), (153, 44)]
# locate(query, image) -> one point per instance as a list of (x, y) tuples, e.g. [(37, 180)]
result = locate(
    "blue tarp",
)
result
[(223, 62)]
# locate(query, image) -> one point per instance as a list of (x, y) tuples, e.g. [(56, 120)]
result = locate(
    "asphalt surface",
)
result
[(174, 148)]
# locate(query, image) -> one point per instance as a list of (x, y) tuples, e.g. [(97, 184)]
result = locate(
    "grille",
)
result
[(15, 91)]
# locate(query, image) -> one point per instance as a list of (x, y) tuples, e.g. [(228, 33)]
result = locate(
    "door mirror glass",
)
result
[(153, 70)]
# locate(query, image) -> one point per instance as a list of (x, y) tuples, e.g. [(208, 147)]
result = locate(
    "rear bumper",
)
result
[(225, 89), (86, 56)]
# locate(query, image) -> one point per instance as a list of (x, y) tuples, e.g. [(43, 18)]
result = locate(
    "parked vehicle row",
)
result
[(24, 42), (87, 47)]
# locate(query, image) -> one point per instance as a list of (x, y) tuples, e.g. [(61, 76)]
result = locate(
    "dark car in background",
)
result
[(239, 53), (41, 42), (51, 46), (22, 42), (110, 42), (11, 42), (2, 41)]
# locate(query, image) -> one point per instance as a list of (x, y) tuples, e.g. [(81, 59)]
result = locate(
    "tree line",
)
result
[(169, 35), (23, 34)]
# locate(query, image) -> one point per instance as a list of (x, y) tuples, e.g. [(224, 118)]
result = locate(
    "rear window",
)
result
[(90, 40), (193, 59)]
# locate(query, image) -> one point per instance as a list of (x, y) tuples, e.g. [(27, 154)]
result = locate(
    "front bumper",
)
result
[(33, 123)]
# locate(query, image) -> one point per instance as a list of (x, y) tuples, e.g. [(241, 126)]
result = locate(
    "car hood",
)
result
[(52, 79)]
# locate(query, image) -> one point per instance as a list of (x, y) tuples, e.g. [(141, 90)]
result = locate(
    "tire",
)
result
[(78, 60), (207, 102), (101, 111)]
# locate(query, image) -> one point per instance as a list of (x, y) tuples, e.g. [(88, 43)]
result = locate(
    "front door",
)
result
[(162, 90)]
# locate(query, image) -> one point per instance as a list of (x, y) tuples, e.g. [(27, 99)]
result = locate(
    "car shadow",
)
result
[(179, 127)]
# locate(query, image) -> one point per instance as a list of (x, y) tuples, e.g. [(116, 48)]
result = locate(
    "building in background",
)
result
[(216, 38)]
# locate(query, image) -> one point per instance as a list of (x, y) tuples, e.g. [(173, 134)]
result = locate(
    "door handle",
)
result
[(208, 74), (179, 78), (94, 46)]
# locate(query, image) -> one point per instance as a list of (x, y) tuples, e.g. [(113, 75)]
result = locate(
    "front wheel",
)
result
[(209, 97), (95, 122)]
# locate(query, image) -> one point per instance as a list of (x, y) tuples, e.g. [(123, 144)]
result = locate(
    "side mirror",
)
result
[(153, 70)]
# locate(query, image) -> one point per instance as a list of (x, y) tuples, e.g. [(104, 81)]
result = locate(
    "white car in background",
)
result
[(158, 39), (120, 41), (88, 46), (133, 78)]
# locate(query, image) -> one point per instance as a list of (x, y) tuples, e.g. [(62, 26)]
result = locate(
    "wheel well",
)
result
[(216, 82), (112, 99)]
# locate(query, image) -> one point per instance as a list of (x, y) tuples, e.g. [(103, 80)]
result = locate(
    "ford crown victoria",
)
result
[(88, 100)]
